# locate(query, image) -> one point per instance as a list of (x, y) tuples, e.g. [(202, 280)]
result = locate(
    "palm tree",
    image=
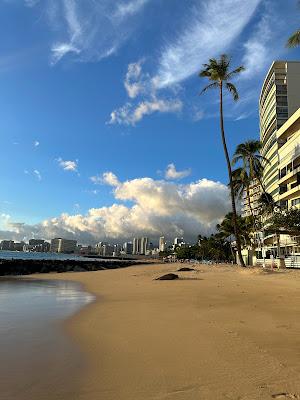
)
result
[(219, 74), (241, 184), (249, 154), (294, 40)]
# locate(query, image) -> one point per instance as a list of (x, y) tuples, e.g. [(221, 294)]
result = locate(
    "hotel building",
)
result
[(279, 100), (280, 137), (59, 245)]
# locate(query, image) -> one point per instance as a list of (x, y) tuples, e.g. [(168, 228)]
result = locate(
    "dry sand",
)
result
[(219, 333)]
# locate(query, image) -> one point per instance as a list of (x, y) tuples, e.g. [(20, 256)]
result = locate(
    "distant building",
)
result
[(136, 246), (177, 241), (60, 245), (107, 250), (36, 242), (7, 245), (19, 246), (140, 245), (144, 245), (127, 248), (162, 244)]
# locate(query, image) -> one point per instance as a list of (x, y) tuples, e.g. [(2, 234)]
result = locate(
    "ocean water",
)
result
[(20, 255), (38, 359)]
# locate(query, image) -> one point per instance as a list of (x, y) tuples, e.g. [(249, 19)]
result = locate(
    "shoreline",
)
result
[(219, 333)]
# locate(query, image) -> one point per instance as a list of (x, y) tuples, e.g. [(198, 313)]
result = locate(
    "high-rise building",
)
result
[(279, 100), (162, 244), (127, 247), (140, 245), (59, 245), (7, 245), (136, 246), (144, 245)]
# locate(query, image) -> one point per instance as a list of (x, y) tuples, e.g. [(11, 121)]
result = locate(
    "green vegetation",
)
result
[(219, 74)]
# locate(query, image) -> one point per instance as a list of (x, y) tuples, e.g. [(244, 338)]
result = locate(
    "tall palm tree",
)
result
[(241, 185), (249, 154), (219, 74)]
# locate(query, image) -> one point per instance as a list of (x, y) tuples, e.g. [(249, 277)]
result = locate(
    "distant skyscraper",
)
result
[(127, 247), (136, 246), (144, 245), (59, 245), (162, 244)]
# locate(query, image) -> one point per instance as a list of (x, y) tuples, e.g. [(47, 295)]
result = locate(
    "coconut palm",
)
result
[(241, 185), (249, 154), (219, 74), (294, 40)]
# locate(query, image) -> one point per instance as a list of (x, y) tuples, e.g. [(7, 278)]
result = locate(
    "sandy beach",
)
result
[(217, 333)]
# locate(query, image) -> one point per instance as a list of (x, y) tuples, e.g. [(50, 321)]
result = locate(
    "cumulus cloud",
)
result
[(171, 172), (108, 178), (68, 165), (157, 207)]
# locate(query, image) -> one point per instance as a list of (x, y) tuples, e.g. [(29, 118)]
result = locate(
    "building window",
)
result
[(295, 202)]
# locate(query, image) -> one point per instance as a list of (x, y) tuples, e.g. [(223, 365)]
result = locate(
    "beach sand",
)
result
[(220, 332)]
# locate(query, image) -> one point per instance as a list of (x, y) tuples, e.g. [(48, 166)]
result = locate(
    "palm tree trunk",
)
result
[(236, 231)]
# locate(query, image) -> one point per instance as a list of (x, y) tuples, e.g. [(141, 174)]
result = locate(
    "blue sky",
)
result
[(93, 87)]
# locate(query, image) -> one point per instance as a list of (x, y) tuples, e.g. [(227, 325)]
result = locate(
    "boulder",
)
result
[(167, 277)]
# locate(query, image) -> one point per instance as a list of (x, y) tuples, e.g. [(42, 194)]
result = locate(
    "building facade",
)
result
[(60, 245)]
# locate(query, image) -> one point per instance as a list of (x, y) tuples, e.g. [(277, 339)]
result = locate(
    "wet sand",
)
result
[(218, 333), (37, 359)]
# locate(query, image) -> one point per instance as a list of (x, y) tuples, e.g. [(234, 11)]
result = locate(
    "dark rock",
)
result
[(167, 277), (186, 269)]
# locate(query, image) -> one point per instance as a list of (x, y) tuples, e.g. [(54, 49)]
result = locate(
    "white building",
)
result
[(162, 244)]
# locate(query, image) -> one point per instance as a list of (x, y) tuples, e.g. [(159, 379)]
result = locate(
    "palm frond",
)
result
[(235, 72), (233, 90), (294, 40), (208, 87)]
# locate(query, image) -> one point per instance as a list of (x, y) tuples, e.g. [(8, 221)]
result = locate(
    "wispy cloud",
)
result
[(88, 30), (37, 174), (214, 24), (124, 9), (264, 43), (171, 172), (68, 165), (36, 143)]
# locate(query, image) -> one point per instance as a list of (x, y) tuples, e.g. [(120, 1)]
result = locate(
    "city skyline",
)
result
[(122, 146)]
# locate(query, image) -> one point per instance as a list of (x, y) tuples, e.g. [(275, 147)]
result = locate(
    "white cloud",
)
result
[(37, 174), (88, 30), (131, 114), (124, 9), (171, 172), (106, 178), (158, 206), (68, 165), (36, 143), (263, 44), (214, 24)]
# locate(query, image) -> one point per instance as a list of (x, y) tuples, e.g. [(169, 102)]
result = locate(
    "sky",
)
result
[(104, 135)]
